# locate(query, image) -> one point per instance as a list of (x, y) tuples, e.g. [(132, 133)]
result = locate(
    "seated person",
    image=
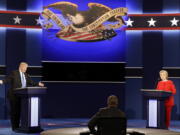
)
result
[(110, 112)]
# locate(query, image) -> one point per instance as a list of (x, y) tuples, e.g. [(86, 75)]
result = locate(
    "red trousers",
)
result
[(168, 115)]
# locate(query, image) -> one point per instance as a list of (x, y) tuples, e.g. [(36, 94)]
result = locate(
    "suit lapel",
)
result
[(19, 78)]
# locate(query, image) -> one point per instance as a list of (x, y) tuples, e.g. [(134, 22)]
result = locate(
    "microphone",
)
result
[(158, 79)]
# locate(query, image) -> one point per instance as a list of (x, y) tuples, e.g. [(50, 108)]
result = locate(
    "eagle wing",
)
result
[(98, 10), (64, 7)]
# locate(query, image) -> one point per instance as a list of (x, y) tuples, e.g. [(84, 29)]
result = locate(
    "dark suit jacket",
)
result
[(108, 112), (14, 80)]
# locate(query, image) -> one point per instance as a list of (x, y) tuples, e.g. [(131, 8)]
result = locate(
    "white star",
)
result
[(39, 21), (17, 20), (129, 22), (152, 22), (174, 22)]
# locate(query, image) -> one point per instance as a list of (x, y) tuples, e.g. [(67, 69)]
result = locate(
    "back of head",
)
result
[(112, 101)]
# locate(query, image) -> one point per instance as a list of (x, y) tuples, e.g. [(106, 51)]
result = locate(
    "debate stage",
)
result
[(72, 126), (76, 131)]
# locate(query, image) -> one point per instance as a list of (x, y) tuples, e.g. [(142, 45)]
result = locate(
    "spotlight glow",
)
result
[(2, 5), (134, 6), (34, 5), (34, 30)]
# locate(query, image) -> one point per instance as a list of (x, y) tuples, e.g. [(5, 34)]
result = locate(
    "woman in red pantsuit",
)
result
[(167, 85)]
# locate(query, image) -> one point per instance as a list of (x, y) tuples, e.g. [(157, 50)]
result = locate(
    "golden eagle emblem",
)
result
[(96, 23)]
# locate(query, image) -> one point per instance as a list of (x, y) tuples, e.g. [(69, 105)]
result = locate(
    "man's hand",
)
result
[(1, 82), (41, 84)]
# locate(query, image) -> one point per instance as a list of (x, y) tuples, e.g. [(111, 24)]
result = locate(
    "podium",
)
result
[(155, 107), (30, 108)]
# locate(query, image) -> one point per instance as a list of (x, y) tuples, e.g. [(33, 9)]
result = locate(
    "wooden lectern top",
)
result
[(154, 90), (31, 88), (156, 94), (31, 91)]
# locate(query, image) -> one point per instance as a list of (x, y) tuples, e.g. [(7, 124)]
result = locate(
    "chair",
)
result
[(112, 126)]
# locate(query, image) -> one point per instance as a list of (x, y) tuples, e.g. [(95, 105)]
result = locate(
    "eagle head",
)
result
[(76, 19)]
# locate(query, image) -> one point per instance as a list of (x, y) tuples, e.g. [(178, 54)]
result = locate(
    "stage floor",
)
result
[(76, 131), (74, 126)]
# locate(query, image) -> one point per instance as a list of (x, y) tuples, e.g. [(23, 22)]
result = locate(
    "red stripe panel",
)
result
[(164, 28), (20, 12), (176, 14), (20, 26), (82, 36)]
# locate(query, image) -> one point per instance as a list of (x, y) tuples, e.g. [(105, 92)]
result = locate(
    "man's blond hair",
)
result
[(23, 63)]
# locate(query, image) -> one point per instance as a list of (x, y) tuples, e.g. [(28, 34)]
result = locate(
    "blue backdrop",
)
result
[(131, 51)]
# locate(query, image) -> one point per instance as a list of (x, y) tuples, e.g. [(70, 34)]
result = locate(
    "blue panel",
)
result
[(152, 6), (79, 100), (33, 47), (82, 5), (152, 57), (171, 48), (34, 5), (110, 50), (15, 48), (134, 48), (176, 109), (2, 100), (17, 5), (36, 79), (133, 99), (59, 50), (2, 89), (134, 6), (2, 4), (2, 45), (171, 6)]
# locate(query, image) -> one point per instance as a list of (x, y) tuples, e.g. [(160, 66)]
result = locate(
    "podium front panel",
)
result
[(34, 122), (152, 110)]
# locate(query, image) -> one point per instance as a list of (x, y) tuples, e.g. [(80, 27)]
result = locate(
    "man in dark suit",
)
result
[(111, 111), (17, 79)]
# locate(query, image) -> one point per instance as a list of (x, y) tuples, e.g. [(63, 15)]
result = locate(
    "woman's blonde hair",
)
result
[(164, 71)]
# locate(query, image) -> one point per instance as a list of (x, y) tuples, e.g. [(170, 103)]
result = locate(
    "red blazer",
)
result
[(167, 86)]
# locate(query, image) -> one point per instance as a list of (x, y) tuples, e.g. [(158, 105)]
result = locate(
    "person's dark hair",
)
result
[(112, 101)]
